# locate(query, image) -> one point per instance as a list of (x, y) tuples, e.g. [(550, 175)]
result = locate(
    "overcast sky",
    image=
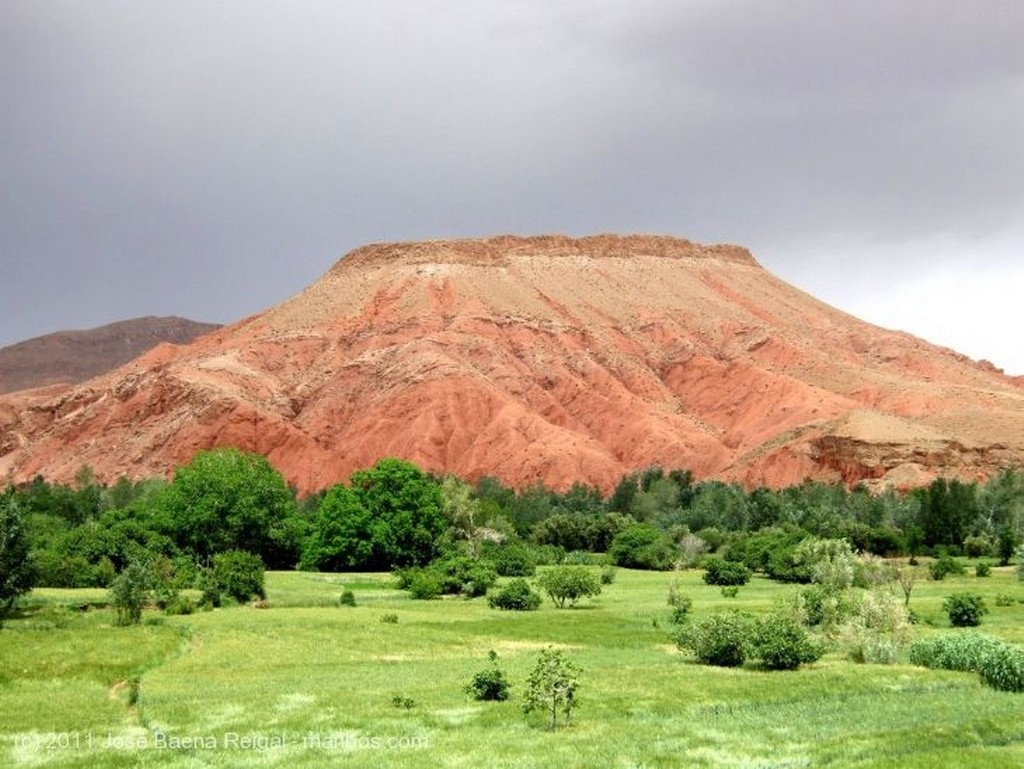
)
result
[(212, 158)]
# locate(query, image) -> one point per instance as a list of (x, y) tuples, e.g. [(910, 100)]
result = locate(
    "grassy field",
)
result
[(308, 683)]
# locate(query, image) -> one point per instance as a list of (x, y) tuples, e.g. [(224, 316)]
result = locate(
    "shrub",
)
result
[(460, 574), (130, 591), (680, 603), (209, 588), (730, 591), (1004, 599), (512, 559), (964, 609), (607, 574), (423, 584), (515, 596), (876, 628), (953, 651), (348, 598), (489, 685), (831, 562), (1002, 668), (721, 572), (239, 575), (568, 584), (978, 546), (179, 605), (983, 569), (721, 639), (642, 546), (551, 687), (944, 565), (781, 643), (389, 618)]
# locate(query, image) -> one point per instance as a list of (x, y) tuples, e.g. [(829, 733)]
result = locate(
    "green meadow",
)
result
[(306, 682)]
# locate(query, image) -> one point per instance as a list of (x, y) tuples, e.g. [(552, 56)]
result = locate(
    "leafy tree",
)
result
[(239, 575), (462, 510), (130, 591), (642, 546), (226, 499), (406, 513), (568, 584), (16, 569), (551, 687), (342, 536)]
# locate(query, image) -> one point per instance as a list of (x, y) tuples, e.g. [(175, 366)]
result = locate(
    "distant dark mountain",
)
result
[(69, 357)]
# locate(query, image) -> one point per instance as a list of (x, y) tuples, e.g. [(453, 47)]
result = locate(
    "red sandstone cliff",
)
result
[(545, 358)]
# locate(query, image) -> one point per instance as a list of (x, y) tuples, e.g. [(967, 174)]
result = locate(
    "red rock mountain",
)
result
[(69, 357), (545, 358)]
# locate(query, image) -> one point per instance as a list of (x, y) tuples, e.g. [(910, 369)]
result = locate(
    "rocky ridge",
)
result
[(544, 358)]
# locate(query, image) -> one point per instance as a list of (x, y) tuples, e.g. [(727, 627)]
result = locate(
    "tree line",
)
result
[(396, 516)]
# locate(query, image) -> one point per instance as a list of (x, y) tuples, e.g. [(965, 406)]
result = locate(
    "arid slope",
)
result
[(70, 357), (545, 358)]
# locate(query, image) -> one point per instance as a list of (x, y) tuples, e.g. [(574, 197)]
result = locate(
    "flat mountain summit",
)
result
[(547, 359)]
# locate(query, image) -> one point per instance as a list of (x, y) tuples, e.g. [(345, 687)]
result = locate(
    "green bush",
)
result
[(1002, 668), (964, 609), (876, 628), (464, 575), (953, 651), (389, 618), (512, 559), (983, 569), (782, 643), (130, 591), (239, 575), (423, 584), (515, 596), (725, 573), (945, 565), (730, 591), (680, 603), (179, 605), (568, 584), (489, 685), (642, 546), (348, 598), (1004, 599), (607, 574), (721, 639)]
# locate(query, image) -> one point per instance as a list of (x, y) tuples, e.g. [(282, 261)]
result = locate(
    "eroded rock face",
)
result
[(545, 358)]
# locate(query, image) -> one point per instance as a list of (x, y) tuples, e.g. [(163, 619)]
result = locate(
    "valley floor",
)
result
[(306, 682)]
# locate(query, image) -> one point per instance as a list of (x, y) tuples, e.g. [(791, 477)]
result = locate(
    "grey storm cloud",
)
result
[(211, 158)]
